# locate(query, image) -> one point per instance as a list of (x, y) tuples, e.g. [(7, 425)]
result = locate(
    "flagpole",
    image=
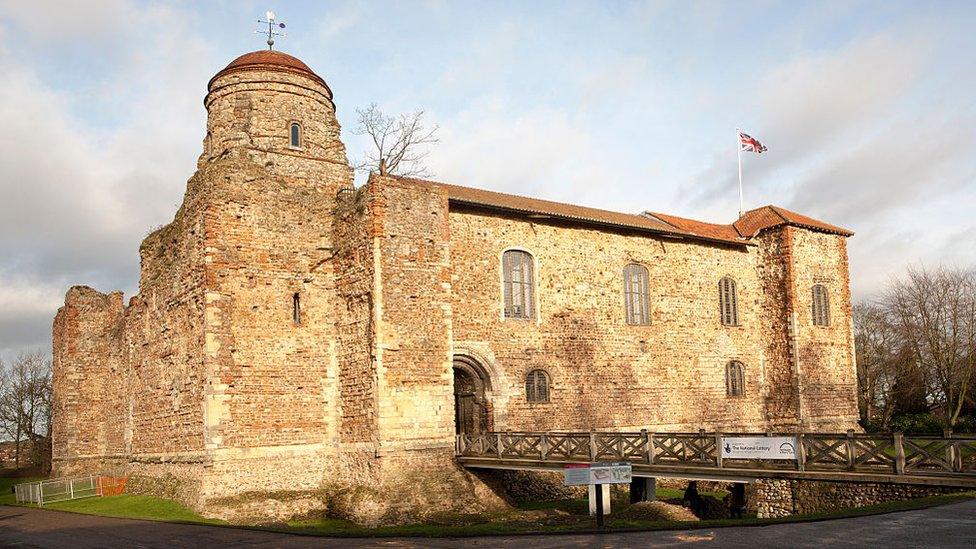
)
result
[(738, 150)]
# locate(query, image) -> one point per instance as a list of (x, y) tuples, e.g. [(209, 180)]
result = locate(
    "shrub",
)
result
[(917, 424)]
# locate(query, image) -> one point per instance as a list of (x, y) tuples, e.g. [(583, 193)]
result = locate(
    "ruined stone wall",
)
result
[(164, 335), (669, 375), (89, 406), (134, 375)]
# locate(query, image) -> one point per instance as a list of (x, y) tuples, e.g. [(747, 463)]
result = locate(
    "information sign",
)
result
[(758, 447)]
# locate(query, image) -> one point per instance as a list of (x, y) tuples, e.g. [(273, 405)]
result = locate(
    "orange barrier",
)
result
[(112, 486)]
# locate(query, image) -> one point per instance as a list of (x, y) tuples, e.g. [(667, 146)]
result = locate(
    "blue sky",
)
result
[(866, 107)]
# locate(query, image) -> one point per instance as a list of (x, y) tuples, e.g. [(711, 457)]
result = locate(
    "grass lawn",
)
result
[(534, 517), (132, 506)]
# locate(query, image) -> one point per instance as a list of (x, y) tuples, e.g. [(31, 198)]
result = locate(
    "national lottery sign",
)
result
[(759, 448)]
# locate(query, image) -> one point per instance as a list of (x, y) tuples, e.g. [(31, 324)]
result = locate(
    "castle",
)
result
[(293, 334)]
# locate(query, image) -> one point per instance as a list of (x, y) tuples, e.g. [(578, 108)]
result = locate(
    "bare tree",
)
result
[(934, 312), (400, 142), (25, 403), (879, 361)]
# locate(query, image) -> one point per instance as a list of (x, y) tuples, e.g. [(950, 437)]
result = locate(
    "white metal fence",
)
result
[(49, 491)]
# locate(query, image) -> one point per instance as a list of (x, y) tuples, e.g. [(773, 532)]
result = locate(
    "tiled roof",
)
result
[(755, 221), (713, 230), (650, 222)]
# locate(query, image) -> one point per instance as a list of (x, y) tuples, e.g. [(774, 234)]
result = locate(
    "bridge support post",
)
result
[(899, 453), (801, 452), (718, 449), (643, 489), (600, 522), (850, 449)]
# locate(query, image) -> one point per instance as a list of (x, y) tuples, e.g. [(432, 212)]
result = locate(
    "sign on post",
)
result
[(759, 448), (597, 473)]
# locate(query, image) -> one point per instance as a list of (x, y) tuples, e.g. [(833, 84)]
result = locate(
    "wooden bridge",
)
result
[(848, 457)]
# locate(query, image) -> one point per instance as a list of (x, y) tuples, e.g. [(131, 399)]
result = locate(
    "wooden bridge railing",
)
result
[(870, 453)]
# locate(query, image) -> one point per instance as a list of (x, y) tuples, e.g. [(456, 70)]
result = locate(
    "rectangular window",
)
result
[(727, 302), (519, 284), (296, 309), (636, 294)]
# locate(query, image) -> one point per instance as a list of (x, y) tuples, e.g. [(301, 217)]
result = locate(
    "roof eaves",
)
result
[(683, 235)]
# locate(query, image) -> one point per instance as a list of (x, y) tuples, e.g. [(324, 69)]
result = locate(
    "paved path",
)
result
[(947, 526)]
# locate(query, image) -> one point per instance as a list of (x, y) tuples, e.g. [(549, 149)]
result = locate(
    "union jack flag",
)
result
[(750, 144)]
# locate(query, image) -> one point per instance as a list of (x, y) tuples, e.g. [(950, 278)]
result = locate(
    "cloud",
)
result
[(52, 23), (921, 160), (86, 175), (26, 315), (541, 152), (843, 132)]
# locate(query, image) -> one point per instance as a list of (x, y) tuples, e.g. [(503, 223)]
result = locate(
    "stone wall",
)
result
[(90, 384), (669, 375), (825, 354), (769, 498), (413, 311)]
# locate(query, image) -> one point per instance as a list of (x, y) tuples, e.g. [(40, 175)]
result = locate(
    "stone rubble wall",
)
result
[(769, 498)]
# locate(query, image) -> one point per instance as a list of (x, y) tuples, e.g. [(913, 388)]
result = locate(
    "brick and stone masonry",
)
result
[(295, 340)]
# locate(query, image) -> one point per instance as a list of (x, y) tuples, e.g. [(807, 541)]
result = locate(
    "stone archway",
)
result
[(472, 409)]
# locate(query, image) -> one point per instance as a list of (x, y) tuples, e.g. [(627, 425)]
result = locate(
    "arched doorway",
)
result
[(472, 411)]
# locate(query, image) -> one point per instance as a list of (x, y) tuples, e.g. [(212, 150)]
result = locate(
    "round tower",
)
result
[(273, 102)]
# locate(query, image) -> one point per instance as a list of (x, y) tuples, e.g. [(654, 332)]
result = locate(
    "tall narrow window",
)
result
[(518, 281), (537, 386), (637, 301), (296, 135), (735, 384), (296, 309), (821, 306), (727, 302)]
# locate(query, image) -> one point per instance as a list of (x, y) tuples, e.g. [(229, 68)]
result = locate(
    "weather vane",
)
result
[(271, 28)]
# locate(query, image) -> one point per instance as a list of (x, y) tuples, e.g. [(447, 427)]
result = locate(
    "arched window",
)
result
[(728, 302), (537, 386), (296, 309), (636, 300), (518, 284), (295, 140), (821, 306), (735, 383)]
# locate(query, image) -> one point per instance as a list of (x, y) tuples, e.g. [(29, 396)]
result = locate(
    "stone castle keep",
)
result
[(298, 342)]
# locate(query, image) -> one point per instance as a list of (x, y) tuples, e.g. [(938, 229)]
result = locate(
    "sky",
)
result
[(867, 109)]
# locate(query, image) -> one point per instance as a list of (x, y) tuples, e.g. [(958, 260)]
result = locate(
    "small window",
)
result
[(637, 301), (296, 309), (735, 384), (537, 387), (821, 306), (296, 135), (518, 282), (728, 302)]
